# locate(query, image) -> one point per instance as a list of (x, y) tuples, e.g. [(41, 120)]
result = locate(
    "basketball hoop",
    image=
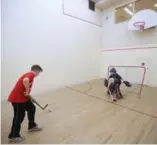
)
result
[(139, 26)]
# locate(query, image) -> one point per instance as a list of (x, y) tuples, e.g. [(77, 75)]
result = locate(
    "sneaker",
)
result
[(17, 139), (35, 128)]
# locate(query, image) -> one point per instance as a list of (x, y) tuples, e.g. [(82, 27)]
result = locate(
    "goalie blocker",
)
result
[(127, 84)]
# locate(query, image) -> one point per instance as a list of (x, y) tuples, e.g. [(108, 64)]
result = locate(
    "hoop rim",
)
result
[(139, 23)]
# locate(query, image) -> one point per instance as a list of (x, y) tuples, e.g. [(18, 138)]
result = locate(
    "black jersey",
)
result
[(115, 76)]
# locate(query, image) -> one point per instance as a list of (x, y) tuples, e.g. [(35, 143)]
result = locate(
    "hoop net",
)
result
[(135, 75), (140, 26)]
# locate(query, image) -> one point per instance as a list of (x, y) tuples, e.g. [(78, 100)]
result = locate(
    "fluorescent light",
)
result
[(128, 11), (130, 5), (155, 5)]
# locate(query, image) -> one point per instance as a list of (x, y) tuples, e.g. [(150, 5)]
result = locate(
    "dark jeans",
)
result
[(19, 114)]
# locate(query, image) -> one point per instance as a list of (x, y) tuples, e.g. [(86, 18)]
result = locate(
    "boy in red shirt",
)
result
[(22, 101)]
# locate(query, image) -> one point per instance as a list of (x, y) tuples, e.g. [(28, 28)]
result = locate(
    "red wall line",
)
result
[(132, 48)]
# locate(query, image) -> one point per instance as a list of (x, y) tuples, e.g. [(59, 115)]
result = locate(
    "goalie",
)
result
[(113, 84)]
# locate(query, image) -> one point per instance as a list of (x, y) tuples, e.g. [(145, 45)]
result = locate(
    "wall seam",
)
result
[(69, 15)]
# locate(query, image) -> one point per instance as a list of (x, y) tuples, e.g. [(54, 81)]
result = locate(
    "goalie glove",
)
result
[(106, 83), (127, 84)]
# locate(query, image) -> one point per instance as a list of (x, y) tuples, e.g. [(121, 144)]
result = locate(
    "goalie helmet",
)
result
[(113, 70)]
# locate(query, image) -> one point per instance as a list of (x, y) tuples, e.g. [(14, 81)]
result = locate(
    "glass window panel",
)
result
[(123, 13)]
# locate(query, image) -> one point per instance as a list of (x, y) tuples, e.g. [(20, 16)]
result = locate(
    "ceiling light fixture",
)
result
[(128, 11)]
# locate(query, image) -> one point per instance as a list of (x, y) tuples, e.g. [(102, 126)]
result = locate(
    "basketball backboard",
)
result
[(143, 19)]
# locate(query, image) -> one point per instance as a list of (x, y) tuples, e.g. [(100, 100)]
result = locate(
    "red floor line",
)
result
[(143, 113), (90, 87)]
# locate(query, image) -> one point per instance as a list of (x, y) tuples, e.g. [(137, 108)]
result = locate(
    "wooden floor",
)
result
[(85, 114)]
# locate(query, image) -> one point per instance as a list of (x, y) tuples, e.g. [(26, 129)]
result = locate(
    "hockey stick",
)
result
[(113, 98), (43, 108)]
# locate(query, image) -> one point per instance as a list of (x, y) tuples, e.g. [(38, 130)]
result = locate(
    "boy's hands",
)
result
[(29, 97), (32, 99), (27, 94)]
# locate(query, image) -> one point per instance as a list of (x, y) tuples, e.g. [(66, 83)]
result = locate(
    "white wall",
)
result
[(79, 9), (37, 32), (132, 58), (68, 48), (117, 36)]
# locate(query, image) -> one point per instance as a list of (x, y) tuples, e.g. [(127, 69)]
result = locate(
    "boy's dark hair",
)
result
[(36, 68)]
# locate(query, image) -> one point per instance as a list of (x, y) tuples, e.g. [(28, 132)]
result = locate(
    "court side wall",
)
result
[(66, 44), (132, 57), (123, 47)]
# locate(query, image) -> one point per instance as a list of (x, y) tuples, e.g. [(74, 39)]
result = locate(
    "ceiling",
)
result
[(146, 4), (104, 4)]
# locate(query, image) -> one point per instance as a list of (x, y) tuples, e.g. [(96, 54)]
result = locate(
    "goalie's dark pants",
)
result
[(19, 114), (113, 86)]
